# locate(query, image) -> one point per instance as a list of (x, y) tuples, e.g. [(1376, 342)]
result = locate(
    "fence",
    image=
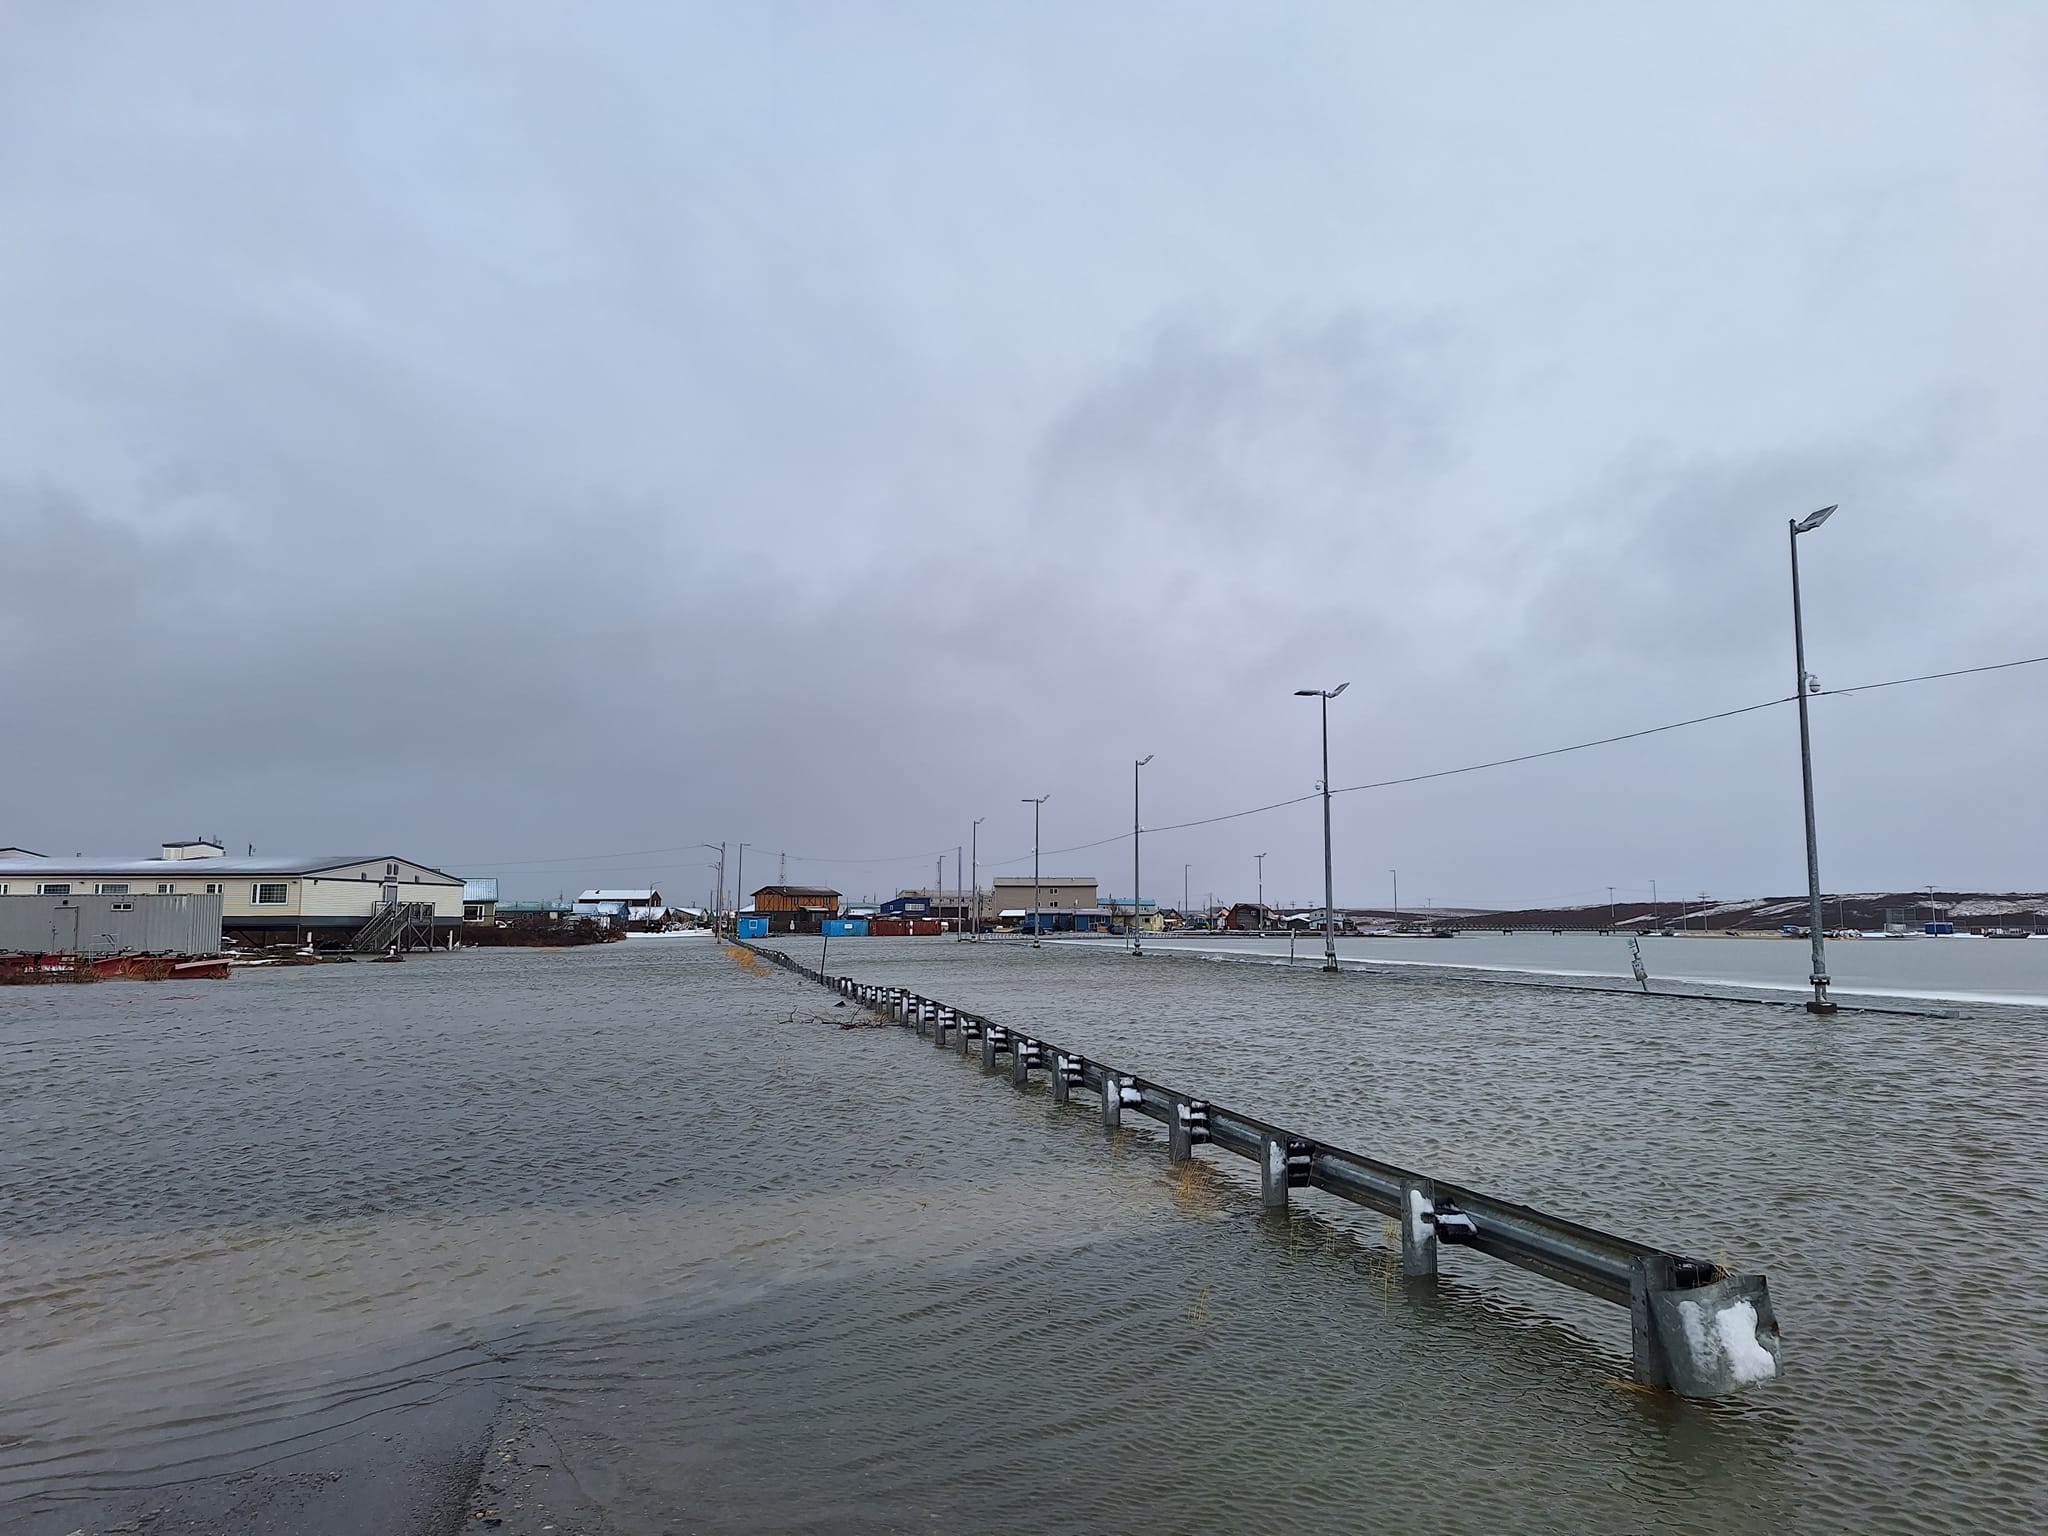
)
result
[(1695, 1328)]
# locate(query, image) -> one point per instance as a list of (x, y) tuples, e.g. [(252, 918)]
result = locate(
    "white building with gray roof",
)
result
[(322, 898)]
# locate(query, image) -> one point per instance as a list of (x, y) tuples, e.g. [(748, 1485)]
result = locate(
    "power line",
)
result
[(1581, 746), (1530, 757), (533, 865), (1929, 677)]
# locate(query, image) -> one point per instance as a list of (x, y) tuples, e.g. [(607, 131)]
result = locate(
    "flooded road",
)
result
[(748, 1271)]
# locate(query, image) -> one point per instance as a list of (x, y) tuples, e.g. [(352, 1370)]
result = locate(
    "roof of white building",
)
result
[(207, 869), (641, 896)]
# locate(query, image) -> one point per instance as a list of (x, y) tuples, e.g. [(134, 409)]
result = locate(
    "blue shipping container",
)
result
[(753, 927), (846, 927)]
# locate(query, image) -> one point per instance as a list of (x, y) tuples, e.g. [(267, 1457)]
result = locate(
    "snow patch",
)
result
[(1730, 1334), (1418, 1208)]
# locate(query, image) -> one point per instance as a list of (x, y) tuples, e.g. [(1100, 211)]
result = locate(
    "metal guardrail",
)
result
[(1696, 1329)]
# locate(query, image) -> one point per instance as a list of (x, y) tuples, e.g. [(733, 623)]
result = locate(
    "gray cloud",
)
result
[(518, 443)]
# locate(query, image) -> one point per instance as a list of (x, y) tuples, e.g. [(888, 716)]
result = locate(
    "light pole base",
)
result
[(1821, 1005)]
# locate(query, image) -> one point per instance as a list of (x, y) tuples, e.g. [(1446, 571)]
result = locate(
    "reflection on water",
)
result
[(773, 1275)]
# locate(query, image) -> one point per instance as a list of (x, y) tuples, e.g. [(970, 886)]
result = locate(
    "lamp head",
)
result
[(1145, 759), (1809, 523)]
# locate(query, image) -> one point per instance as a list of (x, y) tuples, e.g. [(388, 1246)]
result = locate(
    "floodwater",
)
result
[(1925, 969), (752, 1272)]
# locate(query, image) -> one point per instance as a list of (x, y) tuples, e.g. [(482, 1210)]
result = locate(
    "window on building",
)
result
[(270, 893), (59, 888), (166, 888), (111, 888), (215, 888), (390, 871), (472, 912)]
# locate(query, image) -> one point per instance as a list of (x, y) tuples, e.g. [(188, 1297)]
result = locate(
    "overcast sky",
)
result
[(510, 434)]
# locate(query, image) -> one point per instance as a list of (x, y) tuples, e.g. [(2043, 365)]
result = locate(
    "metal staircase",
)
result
[(399, 923)]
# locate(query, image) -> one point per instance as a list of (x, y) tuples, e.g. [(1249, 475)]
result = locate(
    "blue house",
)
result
[(907, 906)]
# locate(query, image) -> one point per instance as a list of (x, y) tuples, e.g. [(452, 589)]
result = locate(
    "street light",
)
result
[(1137, 941), (739, 884), (1184, 893), (1329, 874), (1262, 893), (1819, 978), (1034, 804), (1397, 898)]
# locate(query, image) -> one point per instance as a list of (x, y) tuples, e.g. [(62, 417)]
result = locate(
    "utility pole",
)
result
[(1037, 888), (1819, 978), (1653, 903), (974, 878), (718, 901), (1610, 909), (1184, 893), (1137, 940), (1329, 878), (1262, 893), (1397, 896), (739, 879), (959, 896)]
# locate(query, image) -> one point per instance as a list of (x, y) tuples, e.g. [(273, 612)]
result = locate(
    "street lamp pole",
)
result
[(1397, 896), (1035, 897), (1184, 893), (1262, 893), (1819, 978), (1137, 939), (739, 882), (1329, 869)]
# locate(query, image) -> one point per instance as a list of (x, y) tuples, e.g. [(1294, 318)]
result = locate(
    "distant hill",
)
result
[(1970, 911)]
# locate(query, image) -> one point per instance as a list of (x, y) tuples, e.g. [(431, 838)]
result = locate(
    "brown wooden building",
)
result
[(795, 908)]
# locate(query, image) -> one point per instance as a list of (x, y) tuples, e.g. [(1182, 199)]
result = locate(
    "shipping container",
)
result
[(110, 925)]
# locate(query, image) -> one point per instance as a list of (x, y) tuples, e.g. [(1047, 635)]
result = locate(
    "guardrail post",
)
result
[(1067, 1075), (1648, 1275), (988, 1048), (969, 1033), (1188, 1129), (946, 1016), (1112, 1100), (1273, 1174), (1418, 1233)]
